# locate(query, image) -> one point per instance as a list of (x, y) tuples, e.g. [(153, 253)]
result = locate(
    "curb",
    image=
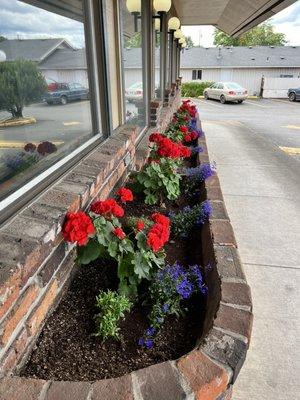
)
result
[(18, 122)]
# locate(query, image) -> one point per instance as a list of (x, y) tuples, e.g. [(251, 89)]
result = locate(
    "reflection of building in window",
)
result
[(60, 111)]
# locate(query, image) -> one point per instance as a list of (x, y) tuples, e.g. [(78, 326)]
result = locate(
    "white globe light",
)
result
[(178, 34), (133, 6), (174, 23), (181, 40), (157, 24), (183, 45), (162, 5), (2, 56)]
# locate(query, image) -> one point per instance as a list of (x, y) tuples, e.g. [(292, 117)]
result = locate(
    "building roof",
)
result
[(65, 59), (241, 57), (31, 49)]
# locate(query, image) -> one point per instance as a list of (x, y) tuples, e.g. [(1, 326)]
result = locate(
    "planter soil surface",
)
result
[(66, 348)]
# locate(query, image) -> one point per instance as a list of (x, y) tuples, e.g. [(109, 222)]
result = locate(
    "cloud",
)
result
[(290, 15), (18, 19)]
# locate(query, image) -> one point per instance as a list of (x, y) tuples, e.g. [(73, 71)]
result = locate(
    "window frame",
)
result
[(97, 68)]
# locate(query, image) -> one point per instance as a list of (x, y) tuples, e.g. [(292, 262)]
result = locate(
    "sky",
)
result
[(287, 21), (38, 23)]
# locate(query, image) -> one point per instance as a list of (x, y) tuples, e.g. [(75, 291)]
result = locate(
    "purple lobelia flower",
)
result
[(184, 288), (150, 331), (149, 343)]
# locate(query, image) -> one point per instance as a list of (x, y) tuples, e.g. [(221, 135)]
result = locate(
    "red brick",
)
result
[(234, 320), (20, 388), (40, 312), (113, 389), (26, 227), (82, 190), (17, 313), (214, 193), (222, 233), (219, 210), (69, 201), (226, 349), (9, 291), (207, 379), (48, 269), (8, 362), (236, 293), (68, 391), (228, 262), (160, 382), (212, 181), (21, 342)]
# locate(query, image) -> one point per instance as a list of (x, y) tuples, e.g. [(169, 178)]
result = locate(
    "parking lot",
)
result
[(255, 146), (277, 120)]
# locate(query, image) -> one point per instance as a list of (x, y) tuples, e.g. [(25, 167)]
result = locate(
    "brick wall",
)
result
[(35, 263)]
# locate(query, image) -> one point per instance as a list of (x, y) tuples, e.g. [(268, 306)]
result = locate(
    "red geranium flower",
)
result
[(187, 137), (194, 135), (155, 137), (119, 233), (159, 233), (77, 228), (183, 129), (107, 208), (140, 225), (125, 194)]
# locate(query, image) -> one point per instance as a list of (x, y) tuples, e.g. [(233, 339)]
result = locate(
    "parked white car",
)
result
[(134, 92), (226, 91)]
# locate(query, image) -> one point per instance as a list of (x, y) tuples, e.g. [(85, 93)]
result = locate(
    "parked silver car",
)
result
[(226, 91)]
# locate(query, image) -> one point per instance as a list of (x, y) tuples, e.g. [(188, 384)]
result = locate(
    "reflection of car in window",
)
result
[(65, 92), (294, 94), (134, 92)]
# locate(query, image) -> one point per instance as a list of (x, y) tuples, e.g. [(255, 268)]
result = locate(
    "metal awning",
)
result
[(231, 16)]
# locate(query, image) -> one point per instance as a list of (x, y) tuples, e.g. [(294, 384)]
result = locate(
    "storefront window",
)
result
[(44, 88), (133, 67)]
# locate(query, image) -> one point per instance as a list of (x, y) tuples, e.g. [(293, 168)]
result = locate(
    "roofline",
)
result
[(48, 53), (240, 66)]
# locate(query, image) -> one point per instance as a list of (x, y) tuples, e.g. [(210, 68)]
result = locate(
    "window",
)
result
[(133, 67), (220, 86), (45, 106), (196, 74), (156, 57)]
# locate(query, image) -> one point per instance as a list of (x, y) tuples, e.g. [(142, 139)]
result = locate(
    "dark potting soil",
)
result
[(67, 349)]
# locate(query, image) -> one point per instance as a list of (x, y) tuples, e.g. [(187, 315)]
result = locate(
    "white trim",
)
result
[(35, 181), (242, 66)]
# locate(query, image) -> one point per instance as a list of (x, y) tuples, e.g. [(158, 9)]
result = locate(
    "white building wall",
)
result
[(67, 76), (133, 75), (250, 78)]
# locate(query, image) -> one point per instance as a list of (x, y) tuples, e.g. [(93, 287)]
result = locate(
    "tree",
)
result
[(189, 41), (21, 83), (2, 38), (261, 35)]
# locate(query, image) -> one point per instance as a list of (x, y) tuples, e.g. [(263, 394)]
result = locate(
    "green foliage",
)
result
[(21, 83), (194, 89), (189, 41), (160, 180), (261, 35), (136, 261), (133, 41), (112, 307), (2, 38)]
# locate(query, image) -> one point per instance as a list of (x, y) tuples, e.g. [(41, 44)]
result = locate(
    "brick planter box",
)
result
[(36, 267)]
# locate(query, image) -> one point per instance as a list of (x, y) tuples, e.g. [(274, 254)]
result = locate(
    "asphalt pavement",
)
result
[(55, 123), (256, 147)]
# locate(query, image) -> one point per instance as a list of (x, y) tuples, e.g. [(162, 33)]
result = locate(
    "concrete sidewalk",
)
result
[(261, 188)]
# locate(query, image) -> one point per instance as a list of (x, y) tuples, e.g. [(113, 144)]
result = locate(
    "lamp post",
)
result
[(162, 7), (173, 26), (134, 7)]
